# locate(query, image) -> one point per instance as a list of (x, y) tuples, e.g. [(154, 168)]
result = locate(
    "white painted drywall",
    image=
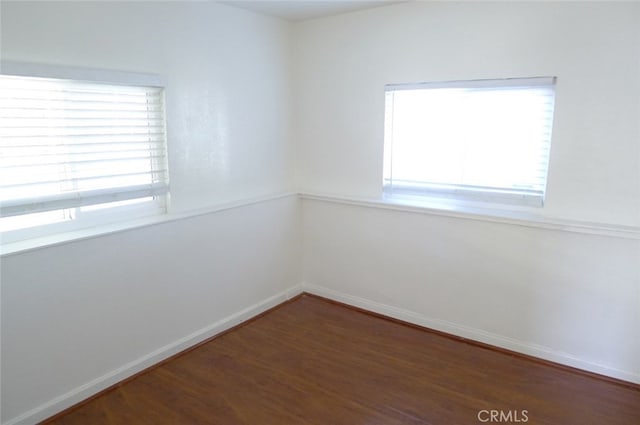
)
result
[(567, 297), (75, 313), (227, 82), (342, 64), (571, 298)]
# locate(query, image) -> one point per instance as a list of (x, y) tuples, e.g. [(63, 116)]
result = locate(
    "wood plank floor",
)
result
[(314, 362)]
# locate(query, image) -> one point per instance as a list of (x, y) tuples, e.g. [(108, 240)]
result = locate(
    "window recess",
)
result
[(80, 151), (480, 140)]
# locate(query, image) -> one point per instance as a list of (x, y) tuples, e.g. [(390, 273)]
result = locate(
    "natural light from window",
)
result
[(480, 139), (72, 149)]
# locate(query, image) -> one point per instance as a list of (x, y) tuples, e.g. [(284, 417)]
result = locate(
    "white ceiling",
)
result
[(297, 10)]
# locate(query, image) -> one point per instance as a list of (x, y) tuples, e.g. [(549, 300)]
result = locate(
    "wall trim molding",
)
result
[(104, 382), (505, 217), (515, 218), (467, 332), (122, 226)]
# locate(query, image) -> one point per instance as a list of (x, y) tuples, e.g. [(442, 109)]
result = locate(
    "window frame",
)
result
[(156, 206), (448, 195)]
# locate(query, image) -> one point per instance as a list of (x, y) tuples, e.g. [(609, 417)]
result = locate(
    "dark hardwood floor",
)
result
[(314, 362)]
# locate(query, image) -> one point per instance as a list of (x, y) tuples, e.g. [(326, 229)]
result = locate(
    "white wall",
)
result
[(90, 313), (227, 75), (569, 297), (342, 64), (82, 315)]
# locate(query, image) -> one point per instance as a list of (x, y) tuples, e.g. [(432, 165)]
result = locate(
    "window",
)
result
[(484, 140), (79, 152)]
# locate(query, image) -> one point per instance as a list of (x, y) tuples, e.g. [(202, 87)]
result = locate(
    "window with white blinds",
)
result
[(486, 140), (70, 147)]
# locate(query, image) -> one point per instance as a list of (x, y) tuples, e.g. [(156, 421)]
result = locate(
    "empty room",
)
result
[(319, 212)]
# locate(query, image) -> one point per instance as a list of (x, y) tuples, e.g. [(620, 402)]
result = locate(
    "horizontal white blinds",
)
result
[(66, 144), (466, 138)]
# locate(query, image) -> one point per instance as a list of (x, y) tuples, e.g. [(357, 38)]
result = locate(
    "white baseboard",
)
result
[(479, 335), (85, 391), (82, 392)]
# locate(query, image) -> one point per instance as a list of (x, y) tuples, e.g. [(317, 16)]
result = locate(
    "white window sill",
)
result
[(107, 229), (518, 216), (471, 212)]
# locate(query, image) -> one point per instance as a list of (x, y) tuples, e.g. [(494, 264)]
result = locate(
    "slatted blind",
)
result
[(67, 144), (470, 138)]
